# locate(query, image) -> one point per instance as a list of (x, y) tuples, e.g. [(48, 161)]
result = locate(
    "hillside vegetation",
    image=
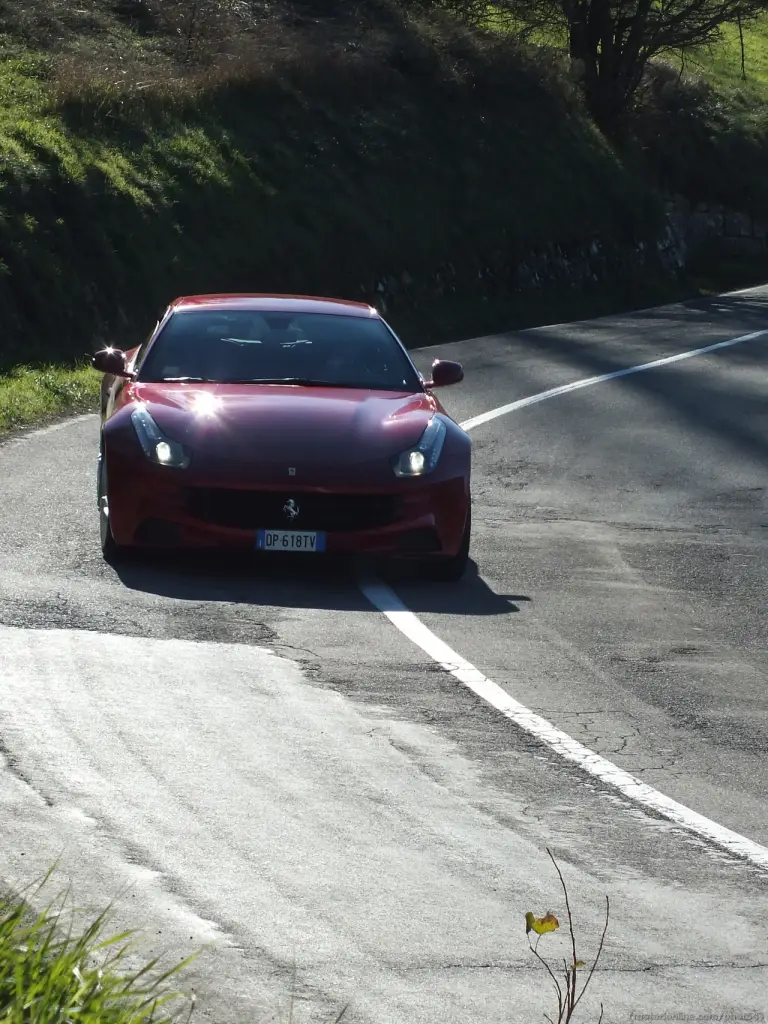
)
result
[(381, 156)]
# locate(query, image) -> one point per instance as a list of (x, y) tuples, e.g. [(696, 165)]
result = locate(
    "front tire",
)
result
[(110, 549)]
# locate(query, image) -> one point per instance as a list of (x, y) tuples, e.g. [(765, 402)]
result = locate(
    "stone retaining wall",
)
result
[(735, 231)]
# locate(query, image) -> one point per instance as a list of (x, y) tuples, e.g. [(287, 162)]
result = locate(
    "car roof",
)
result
[(274, 304)]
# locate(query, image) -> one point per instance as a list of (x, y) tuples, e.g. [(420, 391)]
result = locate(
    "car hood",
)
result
[(230, 426)]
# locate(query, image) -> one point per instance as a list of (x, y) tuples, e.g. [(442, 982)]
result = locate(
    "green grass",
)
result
[(722, 64), (53, 973), (30, 396)]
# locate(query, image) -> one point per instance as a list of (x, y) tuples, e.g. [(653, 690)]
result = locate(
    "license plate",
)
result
[(290, 540)]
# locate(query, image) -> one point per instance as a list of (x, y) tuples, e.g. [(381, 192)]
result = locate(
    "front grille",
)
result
[(251, 510)]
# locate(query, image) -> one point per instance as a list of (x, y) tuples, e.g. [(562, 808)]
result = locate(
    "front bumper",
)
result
[(158, 507)]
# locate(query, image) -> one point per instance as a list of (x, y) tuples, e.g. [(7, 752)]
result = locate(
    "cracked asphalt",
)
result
[(254, 761)]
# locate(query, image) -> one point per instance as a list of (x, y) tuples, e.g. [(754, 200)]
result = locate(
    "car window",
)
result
[(250, 345)]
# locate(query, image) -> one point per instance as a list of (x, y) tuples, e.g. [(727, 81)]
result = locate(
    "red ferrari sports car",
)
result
[(281, 424)]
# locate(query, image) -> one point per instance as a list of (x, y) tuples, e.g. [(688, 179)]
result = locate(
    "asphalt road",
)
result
[(261, 764)]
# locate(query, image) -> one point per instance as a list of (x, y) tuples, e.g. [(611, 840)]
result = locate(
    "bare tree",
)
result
[(611, 41), (742, 49)]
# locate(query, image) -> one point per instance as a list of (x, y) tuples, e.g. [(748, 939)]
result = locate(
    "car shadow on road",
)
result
[(311, 583), (707, 402)]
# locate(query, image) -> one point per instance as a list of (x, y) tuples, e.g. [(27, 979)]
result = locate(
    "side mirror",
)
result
[(445, 372), (111, 361)]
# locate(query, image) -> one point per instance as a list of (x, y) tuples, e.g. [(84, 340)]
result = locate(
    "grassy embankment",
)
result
[(318, 158)]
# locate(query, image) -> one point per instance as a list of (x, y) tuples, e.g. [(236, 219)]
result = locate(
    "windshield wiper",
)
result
[(307, 382), (185, 380)]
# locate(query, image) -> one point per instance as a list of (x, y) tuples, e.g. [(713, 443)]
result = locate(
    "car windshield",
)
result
[(253, 346)]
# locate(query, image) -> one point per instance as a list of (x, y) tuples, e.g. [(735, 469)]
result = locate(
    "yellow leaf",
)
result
[(540, 925)]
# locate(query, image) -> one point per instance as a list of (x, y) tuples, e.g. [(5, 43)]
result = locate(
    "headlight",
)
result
[(423, 457), (157, 447)]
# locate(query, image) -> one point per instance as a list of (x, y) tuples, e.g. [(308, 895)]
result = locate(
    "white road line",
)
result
[(576, 385), (387, 602), (410, 625), (561, 743)]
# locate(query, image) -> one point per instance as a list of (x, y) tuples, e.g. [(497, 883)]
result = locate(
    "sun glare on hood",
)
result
[(205, 405)]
